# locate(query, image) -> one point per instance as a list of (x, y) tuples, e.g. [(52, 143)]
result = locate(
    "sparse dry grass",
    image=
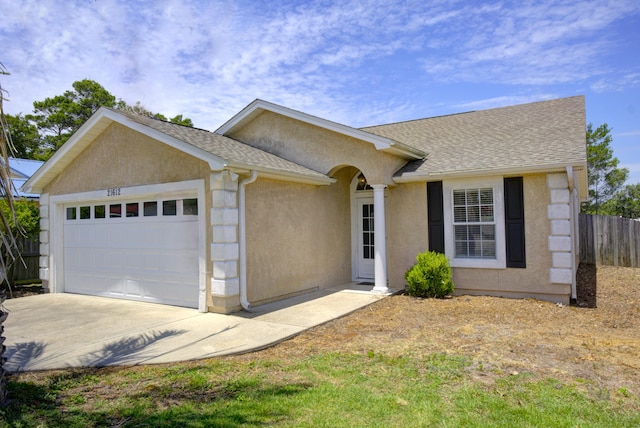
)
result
[(396, 362), (600, 345)]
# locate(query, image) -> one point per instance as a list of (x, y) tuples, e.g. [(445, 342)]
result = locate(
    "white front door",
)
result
[(365, 250)]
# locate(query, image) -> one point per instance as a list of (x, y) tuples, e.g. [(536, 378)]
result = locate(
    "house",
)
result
[(21, 170), (277, 202)]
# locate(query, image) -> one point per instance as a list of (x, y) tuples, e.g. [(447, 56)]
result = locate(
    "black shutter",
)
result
[(514, 222), (435, 212)]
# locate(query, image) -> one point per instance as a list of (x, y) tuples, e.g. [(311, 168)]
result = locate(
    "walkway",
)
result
[(53, 331)]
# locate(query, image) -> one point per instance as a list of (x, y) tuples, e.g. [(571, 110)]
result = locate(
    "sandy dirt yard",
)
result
[(594, 345), (598, 347)]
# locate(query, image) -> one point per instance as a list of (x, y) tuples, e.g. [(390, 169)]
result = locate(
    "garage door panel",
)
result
[(152, 259)]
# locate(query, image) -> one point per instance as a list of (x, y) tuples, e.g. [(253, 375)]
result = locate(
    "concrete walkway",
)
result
[(53, 331)]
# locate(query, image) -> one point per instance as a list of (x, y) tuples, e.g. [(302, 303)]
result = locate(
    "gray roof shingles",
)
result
[(231, 151), (534, 135)]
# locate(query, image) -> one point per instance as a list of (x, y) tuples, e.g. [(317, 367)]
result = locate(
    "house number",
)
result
[(115, 191)]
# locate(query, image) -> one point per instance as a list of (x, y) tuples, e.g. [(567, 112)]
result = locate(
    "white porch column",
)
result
[(380, 239)]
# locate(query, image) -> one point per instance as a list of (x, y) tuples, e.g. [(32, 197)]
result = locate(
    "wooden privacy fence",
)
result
[(609, 241), (31, 256)]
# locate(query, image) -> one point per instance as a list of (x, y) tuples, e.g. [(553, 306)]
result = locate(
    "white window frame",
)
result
[(496, 183)]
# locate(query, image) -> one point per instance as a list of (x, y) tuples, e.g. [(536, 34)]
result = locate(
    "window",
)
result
[(85, 213), (71, 213), (99, 211), (474, 227), (190, 207), (115, 211), (150, 209), (169, 207), (132, 209), (368, 234), (474, 222)]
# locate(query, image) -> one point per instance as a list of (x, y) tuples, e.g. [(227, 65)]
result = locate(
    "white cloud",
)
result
[(616, 82), (502, 101), (634, 133), (341, 60), (543, 43)]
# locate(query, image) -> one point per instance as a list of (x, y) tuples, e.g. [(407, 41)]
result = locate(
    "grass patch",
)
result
[(326, 390)]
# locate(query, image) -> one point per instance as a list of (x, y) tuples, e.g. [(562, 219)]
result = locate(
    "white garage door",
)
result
[(144, 250)]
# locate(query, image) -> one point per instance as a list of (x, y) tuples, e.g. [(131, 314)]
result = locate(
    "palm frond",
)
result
[(8, 244)]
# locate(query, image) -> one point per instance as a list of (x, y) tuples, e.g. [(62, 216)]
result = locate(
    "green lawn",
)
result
[(330, 390)]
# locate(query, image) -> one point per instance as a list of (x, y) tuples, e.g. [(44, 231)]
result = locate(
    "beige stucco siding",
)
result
[(121, 157), (298, 237), (317, 148), (533, 281), (407, 232)]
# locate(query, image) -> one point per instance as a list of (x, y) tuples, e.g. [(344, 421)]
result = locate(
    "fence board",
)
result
[(30, 270), (609, 240)]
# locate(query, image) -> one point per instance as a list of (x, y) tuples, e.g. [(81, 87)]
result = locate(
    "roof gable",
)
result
[(380, 142), (218, 151)]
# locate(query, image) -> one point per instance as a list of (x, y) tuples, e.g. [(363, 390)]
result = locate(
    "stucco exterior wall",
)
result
[(298, 237), (533, 281), (407, 229), (121, 157), (316, 148)]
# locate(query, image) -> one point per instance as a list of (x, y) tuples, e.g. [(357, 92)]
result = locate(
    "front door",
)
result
[(366, 253)]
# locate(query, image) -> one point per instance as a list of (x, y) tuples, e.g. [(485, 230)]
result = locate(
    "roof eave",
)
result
[(416, 177), (404, 151), (280, 175)]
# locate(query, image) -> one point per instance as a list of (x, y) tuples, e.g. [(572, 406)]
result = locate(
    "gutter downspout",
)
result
[(243, 240), (573, 231)]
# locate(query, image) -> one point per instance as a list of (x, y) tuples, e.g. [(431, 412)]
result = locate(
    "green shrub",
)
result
[(430, 276)]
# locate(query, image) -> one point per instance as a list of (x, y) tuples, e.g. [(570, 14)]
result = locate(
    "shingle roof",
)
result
[(233, 152), (535, 135)]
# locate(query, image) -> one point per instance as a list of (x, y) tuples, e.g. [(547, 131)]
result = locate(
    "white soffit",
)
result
[(258, 106), (416, 177)]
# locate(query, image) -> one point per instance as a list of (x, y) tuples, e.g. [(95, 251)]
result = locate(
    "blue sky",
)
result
[(361, 62)]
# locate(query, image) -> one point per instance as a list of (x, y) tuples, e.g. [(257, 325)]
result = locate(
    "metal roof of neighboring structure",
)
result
[(21, 170), (24, 168)]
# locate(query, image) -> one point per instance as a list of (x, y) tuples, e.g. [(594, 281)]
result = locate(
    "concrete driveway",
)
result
[(52, 331)]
